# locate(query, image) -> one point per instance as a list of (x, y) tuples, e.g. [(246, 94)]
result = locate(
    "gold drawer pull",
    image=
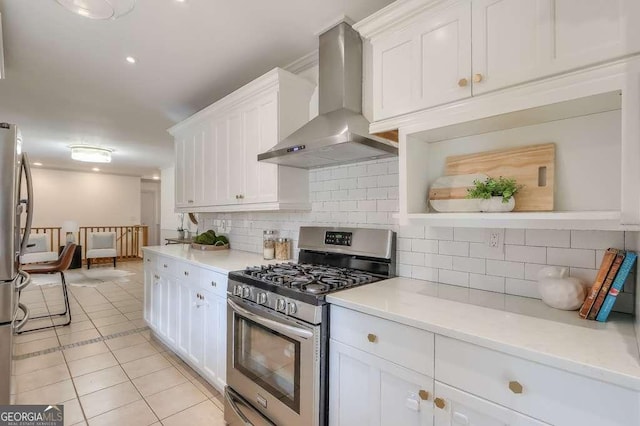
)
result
[(515, 387), (439, 403), (423, 394), (463, 82), (477, 78), (372, 337)]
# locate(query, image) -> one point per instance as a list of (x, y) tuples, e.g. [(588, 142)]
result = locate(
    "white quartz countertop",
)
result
[(519, 326), (222, 261)]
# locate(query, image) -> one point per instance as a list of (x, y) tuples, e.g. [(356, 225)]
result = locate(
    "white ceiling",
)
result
[(68, 81)]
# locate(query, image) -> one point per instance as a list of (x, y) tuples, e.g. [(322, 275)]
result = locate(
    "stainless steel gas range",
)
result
[(277, 325)]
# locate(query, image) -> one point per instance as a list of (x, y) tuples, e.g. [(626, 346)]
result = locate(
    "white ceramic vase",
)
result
[(559, 290), (495, 204)]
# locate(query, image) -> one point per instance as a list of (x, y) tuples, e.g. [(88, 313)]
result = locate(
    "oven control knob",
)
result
[(246, 292), (262, 298), (237, 290), (292, 308), (281, 305)]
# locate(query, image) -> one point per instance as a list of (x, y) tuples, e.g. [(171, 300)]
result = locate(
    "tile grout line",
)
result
[(82, 343)]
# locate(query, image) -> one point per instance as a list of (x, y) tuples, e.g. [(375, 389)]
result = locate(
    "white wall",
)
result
[(91, 199), (169, 219)]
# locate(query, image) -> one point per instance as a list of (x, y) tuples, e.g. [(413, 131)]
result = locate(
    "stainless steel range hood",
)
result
[(340, 134)]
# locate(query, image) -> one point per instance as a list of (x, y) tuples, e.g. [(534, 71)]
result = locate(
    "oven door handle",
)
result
[(269, 323), (234, 402)]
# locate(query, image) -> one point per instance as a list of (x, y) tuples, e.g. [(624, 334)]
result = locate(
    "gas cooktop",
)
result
[(307, 278)]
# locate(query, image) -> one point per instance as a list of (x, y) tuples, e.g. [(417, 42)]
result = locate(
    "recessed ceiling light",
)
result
[(37, 164), (180, 1), (157, 177), (95, 169), (131, 59)]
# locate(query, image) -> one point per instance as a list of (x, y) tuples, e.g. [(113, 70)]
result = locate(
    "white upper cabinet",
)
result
[(217, 148), (424, 64), (426, 53)]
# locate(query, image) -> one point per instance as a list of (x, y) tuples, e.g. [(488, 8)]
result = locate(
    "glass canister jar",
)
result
[(283, 248), (269, 244)]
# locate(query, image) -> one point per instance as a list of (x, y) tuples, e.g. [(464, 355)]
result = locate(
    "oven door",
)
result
[(273, 362)]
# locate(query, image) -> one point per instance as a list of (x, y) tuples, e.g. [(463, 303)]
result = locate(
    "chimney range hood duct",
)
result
[(339, 134)]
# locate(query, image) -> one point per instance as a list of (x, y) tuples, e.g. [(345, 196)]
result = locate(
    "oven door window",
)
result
[(269, 359)]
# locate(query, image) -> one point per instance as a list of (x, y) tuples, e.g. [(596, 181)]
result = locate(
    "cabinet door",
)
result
[(584, 32), (149, 273), (184, 315), (454, 407), (367, 390), (189, 168), (443, 49), (260, 133), (222, 163), (201, 139), (506, 42), (196, 328), (211, 330), (221, 340), (156, 304), (171, 309), (235, 146)]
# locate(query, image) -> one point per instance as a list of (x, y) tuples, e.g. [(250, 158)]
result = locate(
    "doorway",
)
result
[(150, 214)]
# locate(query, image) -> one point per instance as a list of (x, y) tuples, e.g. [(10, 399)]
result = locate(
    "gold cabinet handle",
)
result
[(463, 82), (372, 337), (477, 78), (439, 403), (423, 394), (515, 387)]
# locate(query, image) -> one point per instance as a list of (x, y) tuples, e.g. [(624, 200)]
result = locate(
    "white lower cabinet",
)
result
[(186, 308), (454, 407), (367, 390)]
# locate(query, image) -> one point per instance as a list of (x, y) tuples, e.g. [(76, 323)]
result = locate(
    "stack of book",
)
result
[(614, 270)]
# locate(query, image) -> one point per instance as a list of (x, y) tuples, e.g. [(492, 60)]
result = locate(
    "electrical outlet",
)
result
[(494, 239)]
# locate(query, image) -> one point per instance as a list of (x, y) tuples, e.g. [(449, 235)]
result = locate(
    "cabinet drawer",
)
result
[(166, 265), (212, 281), (187, 272), (150, 260), (404, 345), (543, 392)]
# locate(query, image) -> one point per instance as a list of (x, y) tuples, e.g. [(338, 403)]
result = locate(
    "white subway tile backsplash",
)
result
[(469, 264), (522, 288), (547, 238), (578, 258), (528, 254), (601, 240), (412, 231), (588, 276), (487, 282), (424, 273), (453, 277), (366, 195), (483, 251), (424, 246), (514, 236), (438, 233), (453, 248), (474, 235), (438, 261), (502, 268), (403, 244), (410, 258)]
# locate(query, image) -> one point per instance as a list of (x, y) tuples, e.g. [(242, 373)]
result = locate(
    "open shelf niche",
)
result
[(588, 135)]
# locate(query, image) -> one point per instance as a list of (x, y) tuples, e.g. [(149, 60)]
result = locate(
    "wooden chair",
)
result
[(54, 267)]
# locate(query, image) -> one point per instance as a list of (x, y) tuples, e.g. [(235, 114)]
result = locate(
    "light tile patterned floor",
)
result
[(102, 379)]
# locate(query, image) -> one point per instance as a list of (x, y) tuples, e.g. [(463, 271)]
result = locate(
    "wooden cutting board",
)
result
[(531, 166)]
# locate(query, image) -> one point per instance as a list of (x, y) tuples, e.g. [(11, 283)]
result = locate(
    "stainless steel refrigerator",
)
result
[(16, 200)]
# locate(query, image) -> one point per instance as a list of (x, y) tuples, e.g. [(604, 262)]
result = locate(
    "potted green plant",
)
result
[(496, 195)]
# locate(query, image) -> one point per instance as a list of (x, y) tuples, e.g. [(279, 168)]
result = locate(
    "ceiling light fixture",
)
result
[(95, 169), (130, 59), (99, 9), (37, 163), (90, 154), (156, 177)]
